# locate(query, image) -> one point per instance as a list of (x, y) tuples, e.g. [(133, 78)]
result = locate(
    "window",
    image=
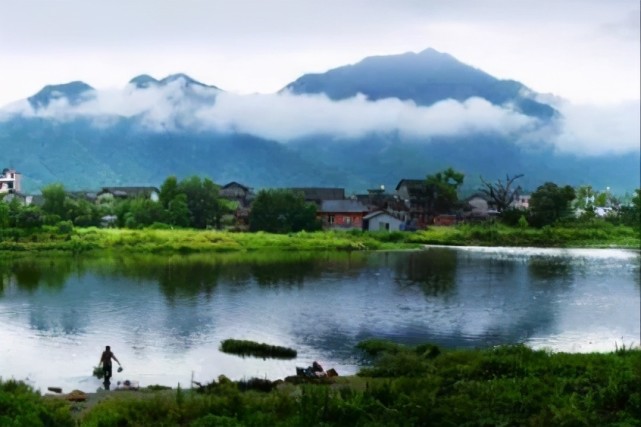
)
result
[(330, 219), (348, 220)]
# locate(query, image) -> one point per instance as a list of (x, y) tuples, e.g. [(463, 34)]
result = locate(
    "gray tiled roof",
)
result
[(342, 206)]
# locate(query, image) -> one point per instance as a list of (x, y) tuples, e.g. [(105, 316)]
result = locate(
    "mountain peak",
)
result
[(143, 81), (74, 92), (426, 77), (186, 81)]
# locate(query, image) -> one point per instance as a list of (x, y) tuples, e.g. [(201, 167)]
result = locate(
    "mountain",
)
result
[(425, 78), (73, 92), (178, 126)]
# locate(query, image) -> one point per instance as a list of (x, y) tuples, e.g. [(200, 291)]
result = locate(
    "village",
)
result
[(377, 210)]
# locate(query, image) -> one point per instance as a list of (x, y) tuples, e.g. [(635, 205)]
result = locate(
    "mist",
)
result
[(581, 129)]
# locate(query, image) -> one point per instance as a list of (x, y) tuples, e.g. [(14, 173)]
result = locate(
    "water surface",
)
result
[(165, 317)]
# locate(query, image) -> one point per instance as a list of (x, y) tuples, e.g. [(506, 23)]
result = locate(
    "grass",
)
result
[(183, 241), (255, 349), (400, 386)]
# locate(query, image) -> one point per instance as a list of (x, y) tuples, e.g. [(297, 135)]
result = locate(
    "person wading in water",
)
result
[(105, 360)]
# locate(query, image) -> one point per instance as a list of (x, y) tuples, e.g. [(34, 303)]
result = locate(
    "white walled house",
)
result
[(382, 221), (10, 181), (522, 202)]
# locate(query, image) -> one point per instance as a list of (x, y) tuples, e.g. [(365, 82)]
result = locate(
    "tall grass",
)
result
[(181, 241)]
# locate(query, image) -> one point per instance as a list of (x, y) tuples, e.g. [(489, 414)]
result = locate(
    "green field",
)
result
[(81, 240)]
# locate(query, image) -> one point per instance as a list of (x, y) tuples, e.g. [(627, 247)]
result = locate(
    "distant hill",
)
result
[(144, 145)]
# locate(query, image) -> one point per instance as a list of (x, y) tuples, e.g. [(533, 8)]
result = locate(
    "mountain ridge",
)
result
[(101, 150)]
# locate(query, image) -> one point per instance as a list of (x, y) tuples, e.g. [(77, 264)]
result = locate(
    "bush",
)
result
[(64, 227)]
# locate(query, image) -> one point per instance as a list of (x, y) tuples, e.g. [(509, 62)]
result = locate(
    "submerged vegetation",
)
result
[(252, 348), (401, 386)]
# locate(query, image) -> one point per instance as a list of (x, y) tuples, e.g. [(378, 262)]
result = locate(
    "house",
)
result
[(319, 194), (237, 192), (382, 221), (412, 192), (342, 214), (152, 193), (243, 196), (10, 181), (478, 207), (521, 202)]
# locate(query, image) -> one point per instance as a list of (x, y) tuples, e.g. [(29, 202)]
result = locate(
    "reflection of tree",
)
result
[(546, 269), (291, 272), (188, 279), (434, 271), (29, 274)]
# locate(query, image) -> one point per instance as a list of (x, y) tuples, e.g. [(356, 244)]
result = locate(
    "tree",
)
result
[(202, 201), (441, 191), (168, 191), (550, 203), (5, 219), (54, 200), (502, 194), (178, 212), (631, 214), (282, 211)]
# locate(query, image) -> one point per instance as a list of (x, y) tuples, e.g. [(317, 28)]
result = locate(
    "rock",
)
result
[(77, 396)]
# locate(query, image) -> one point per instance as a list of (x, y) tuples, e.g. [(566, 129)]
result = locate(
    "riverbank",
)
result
[(511, 385), (83, 240)]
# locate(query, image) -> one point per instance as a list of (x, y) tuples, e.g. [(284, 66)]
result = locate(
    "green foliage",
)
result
[(375, 346), (5, 218), (404, 386), (168, 191), (203, 203), (251, 348), (64, 227), (282, 211), (29, 217), (54, 200), (631, 215), (21, 406), (550, 203), (523, 224), (441, 191)]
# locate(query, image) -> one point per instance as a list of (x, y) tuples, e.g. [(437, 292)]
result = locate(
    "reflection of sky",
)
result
[(565, 300)]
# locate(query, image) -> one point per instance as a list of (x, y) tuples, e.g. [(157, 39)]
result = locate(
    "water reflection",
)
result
[(433, 271), (169, 314)]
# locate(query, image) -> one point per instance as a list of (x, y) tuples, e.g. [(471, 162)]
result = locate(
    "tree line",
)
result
[(195, 202)]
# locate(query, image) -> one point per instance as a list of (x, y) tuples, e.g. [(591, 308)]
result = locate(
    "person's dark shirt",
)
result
[(106, 358)]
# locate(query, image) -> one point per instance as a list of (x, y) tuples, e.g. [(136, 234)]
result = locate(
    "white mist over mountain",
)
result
[(580, 129)]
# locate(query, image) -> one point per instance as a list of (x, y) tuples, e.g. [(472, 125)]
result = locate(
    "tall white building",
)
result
[(10, 181)]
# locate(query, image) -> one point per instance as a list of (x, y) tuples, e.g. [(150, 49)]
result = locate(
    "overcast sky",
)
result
[(586, 51)]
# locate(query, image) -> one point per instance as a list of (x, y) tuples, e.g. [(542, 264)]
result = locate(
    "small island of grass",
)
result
[(251, 348)]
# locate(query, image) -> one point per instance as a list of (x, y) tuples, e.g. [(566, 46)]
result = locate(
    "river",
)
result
[(165, 316)]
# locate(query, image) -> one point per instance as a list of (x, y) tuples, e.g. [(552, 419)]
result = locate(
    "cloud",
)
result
[(598, 129), (283, 117)]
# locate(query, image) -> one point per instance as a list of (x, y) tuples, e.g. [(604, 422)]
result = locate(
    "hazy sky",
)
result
[(586, 51)]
